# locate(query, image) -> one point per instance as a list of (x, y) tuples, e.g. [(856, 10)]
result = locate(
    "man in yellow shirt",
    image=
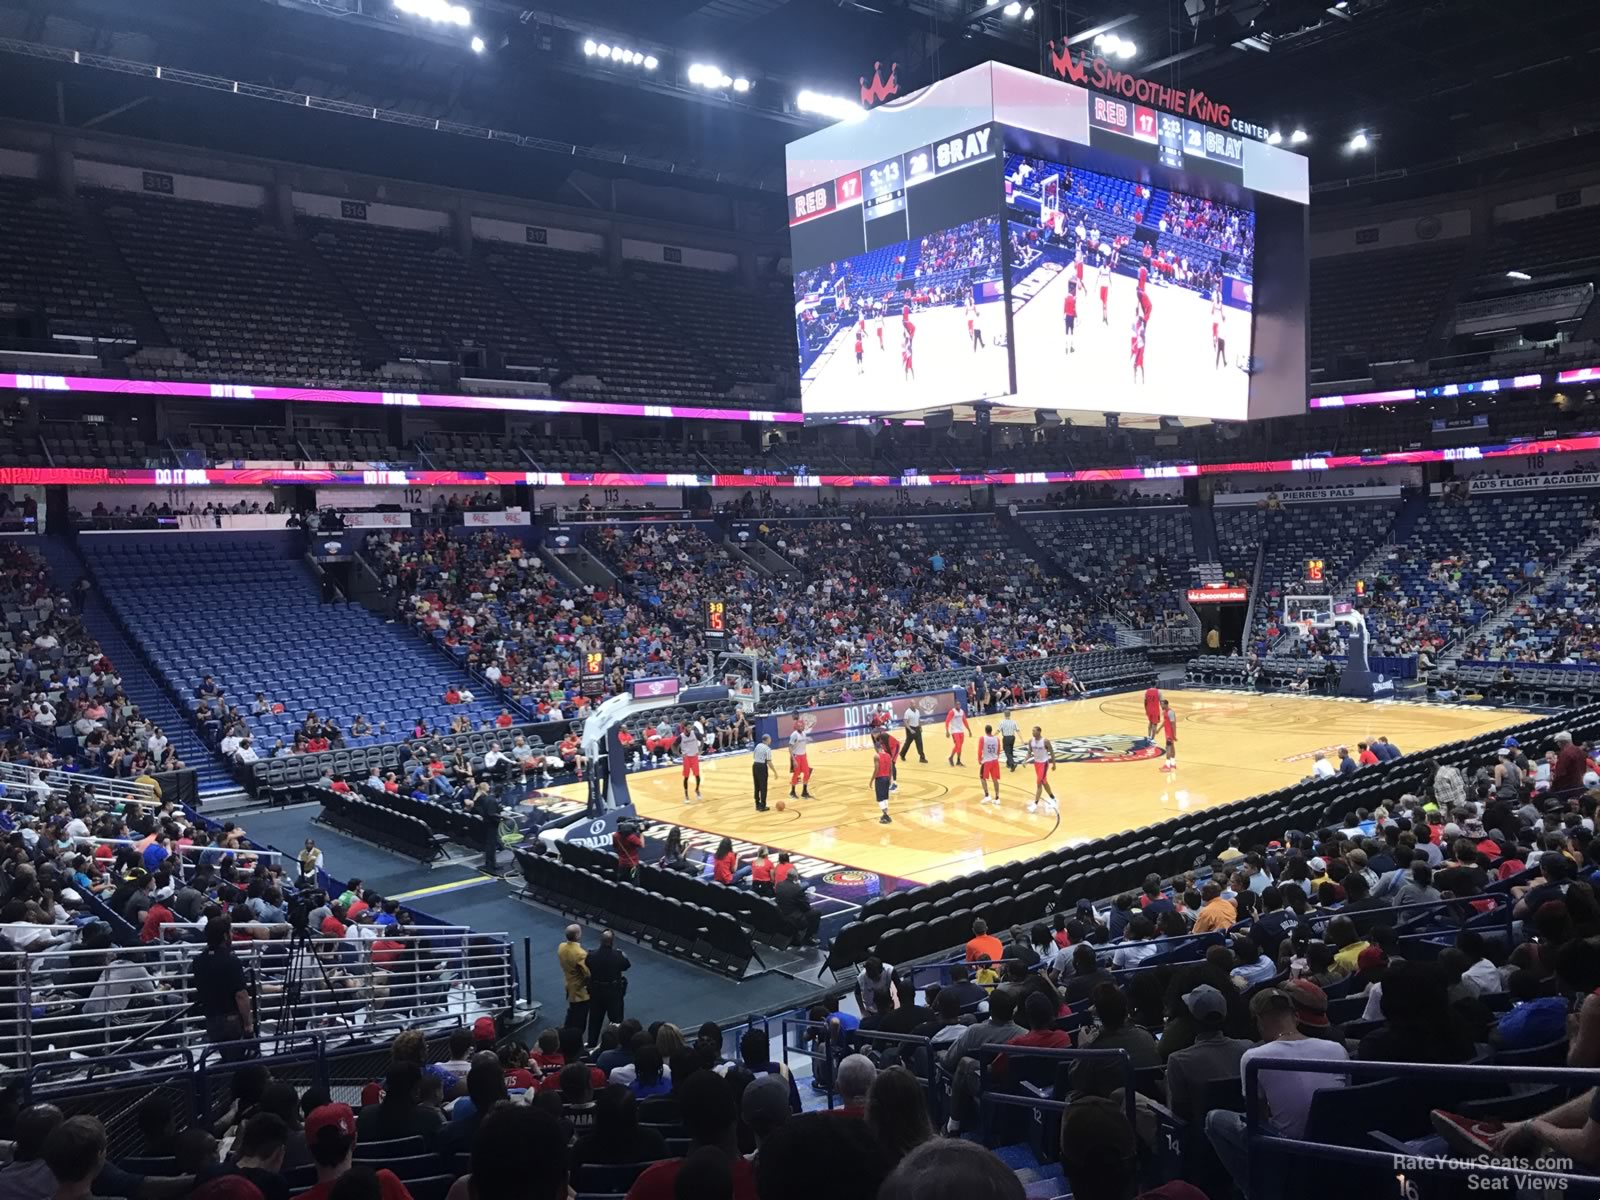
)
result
[(575, 975), (1215, 912)]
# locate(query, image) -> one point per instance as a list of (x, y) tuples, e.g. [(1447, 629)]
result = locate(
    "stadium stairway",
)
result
[(1581, 553), (1203, 521), (141, 687)]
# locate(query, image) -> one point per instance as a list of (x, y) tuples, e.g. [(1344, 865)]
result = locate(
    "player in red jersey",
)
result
[(893, 743), (955, 724), (1169, 726), (882, 777), (1145, 305), (859, 368), (1077, 265), (1144, 275), (880, 330), (1105, 293), (1137, 350), (1152, 710), (1069, 315), (909, 371), (989, 764)]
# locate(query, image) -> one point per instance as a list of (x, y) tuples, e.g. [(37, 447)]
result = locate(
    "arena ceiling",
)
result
[(1437, 83)]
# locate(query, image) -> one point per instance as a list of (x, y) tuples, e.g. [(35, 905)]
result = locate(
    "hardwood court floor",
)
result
[(1231, 745)]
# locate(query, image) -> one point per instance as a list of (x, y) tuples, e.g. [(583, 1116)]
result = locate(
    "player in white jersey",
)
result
[(689, 748), (1043, 762), (989, 764), (800, 762), (955, 724)]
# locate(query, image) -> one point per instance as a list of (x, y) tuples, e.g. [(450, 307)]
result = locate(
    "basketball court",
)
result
[(948, 370), (1107, 776), (1181, 375)]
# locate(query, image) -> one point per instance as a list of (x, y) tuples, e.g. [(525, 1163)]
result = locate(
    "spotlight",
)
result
[(1126, 49), (651, 62), (1358, 142), (741, 84), (822, 105), (1274, 138), (1299, 137), (1519, 276), (1027, 13), (724, 81), (589, 47), (1014, 9), (618, 54), (697, 73), (441, 11), (603, 50), (1101, 40), (477, 45)]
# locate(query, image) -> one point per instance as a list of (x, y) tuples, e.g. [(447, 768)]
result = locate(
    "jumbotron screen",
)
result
[(1006, 238)]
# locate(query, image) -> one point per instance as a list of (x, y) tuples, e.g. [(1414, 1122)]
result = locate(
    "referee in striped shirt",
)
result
[(760, 768)]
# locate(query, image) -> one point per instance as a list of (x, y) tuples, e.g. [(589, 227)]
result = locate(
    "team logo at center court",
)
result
[(850, 877), (1103, 748)]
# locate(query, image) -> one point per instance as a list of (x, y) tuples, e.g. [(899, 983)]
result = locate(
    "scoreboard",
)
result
[(905, 196), (1150, 135), (592, 682), (716, 624)]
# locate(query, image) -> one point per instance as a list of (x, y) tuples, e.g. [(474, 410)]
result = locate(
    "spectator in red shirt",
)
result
[(1366, 758), (1040, 1017), (783, 869), (157, 915), (707, 1110), (725, 862), (331, 1138)]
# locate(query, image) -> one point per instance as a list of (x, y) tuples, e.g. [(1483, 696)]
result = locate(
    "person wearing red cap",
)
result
[(1287, 1094), (331, 1137)]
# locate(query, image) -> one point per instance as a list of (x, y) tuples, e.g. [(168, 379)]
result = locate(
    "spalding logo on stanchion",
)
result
[(1103, 748)]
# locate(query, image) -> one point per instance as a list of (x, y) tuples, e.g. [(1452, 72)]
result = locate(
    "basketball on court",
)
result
[(782, 804)]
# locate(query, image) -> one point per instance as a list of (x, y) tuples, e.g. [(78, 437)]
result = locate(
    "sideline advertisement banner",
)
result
[(1528, 483), (845, 720), (1314, 495)]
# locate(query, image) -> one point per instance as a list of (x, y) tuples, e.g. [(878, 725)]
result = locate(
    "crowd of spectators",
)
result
[(893, 599), (495, 604), (65, 704)]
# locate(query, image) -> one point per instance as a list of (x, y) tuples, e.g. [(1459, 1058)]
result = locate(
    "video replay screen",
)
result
[(1112, 263)]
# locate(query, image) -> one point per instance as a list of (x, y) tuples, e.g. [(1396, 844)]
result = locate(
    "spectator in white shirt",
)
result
[(1321, 768), (246, 752)]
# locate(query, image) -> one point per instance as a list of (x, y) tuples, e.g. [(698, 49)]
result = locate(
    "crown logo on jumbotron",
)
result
[(880, 89), (1062, 64)]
